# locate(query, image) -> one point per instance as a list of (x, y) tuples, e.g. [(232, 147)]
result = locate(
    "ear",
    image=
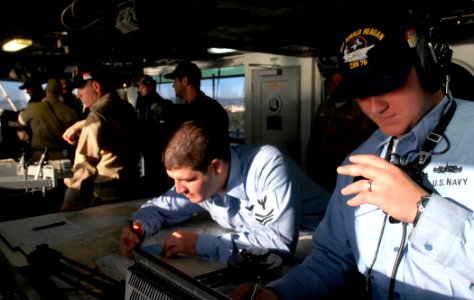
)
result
[(216, 166), (185, 81), (96, 86)]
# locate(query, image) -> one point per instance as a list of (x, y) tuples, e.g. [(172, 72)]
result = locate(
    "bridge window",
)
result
[(11, 97), (227, 86)]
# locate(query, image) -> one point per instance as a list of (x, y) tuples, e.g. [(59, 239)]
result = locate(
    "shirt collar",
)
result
[(235, 183), (410, 143), (416, 137), (103, 101)]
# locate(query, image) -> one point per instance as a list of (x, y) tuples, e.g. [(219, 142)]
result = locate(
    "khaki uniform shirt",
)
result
[(48, 120), (107, 154)]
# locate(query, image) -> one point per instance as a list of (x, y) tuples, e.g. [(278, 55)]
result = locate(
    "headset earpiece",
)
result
[(434, 58)]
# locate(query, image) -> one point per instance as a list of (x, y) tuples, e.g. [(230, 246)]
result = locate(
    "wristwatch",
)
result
[(421, 205)]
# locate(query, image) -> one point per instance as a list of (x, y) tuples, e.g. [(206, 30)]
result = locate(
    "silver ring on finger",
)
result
[(369, 185)]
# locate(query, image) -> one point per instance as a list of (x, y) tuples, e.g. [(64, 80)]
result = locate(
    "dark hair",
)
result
[(194, 145)]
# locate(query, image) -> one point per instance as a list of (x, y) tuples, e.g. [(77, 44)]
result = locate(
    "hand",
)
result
[(129, 240), (180, 242), (22, 135), (244, 292), (391, 189), (72, 133)]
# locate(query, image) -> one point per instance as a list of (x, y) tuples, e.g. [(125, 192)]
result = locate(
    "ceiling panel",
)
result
[(185, 29)]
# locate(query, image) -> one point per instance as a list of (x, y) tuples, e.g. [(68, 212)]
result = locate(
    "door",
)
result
[(276, 108)]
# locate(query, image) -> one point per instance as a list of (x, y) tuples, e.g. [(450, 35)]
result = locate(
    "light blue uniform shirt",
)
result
[(438, 261), (267, 199)]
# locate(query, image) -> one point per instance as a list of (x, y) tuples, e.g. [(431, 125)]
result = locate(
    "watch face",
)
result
[(420, 207), (423, 202)]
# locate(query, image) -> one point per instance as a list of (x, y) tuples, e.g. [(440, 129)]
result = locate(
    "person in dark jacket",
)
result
[(157, 123), (198, 106)]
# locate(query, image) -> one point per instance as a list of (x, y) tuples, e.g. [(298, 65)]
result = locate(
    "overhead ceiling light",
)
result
[(220, 50), (16, 45)]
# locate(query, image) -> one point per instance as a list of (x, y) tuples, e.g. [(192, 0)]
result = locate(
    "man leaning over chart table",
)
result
[(254, 191)]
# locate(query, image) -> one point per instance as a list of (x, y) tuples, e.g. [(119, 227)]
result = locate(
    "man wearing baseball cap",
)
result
[(400, 223), (198, 106), (34, 88), (106, 159), (157, 122)]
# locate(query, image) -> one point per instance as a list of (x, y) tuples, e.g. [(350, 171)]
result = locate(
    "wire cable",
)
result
[(391, 289), (379, 242), (70, 8)]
